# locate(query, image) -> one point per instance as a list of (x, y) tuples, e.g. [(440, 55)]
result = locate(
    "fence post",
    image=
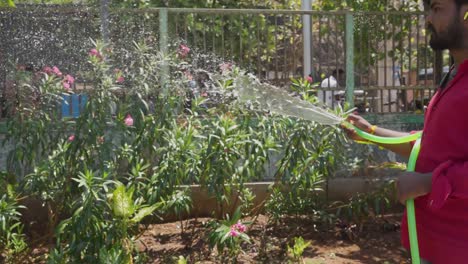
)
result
[(306, 38), (105, 21), (163, 44), (349, 20)]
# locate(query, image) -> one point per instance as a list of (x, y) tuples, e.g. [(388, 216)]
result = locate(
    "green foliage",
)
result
[(12, 240), (307, 90), (229, 234), (179, 203), (100, 231), (312, 153), (378, 5), (7, 3), (377, 36), (181, 260), (126, 155), (364, 205), (295, 252)]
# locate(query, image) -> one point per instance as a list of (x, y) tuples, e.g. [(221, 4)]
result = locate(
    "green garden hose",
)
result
[(415, 258)]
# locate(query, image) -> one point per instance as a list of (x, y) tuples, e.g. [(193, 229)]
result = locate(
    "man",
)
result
[(330, 82), (440, 183)]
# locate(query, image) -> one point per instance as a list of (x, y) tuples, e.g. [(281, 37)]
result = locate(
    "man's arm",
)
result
[(403, 149), (449, 180)]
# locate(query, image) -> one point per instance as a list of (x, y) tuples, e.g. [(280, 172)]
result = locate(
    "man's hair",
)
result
[(459, 3)]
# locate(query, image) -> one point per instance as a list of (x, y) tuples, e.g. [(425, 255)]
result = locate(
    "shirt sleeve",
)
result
[(450, 179)]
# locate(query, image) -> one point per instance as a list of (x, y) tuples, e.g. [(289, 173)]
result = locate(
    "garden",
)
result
[(147, 156), (114, 184)]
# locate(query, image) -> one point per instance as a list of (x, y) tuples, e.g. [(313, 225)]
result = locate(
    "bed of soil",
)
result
[(376, 241)]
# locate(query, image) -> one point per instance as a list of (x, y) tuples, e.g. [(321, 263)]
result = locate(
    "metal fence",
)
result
[(386, 62)]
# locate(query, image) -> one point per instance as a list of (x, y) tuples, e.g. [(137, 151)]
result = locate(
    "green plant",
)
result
[(305, 88), (360, 207), (180, 202), (228, 235), (12, 239), (134, 145), (246, 198), (181, 260), (312, 153), (103, 224), (295, 252)]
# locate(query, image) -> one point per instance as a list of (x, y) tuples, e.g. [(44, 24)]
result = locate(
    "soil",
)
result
[(376, 241)]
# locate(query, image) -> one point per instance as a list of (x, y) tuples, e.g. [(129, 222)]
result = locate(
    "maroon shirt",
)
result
[(442, 215)]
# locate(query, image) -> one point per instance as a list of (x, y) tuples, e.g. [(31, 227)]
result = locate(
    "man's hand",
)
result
[(412, 184), (359, 122)]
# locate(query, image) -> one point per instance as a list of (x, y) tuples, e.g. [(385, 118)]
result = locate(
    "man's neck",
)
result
[(459, 56)]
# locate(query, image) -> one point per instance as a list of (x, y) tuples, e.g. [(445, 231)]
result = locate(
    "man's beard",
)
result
[(449, 39)]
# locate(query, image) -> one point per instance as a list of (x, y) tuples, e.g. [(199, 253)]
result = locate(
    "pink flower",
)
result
[(56, 71), (240, 227), (233, 233), (66, 85), (71, 138), (183, 50), (204, 94), (118, 75), (225, 66), (95, 53), (128, 120), (68, 81), (47, 70), (310, 79)]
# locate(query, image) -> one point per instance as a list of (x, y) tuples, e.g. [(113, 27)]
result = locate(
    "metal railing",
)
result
[(385, 55)]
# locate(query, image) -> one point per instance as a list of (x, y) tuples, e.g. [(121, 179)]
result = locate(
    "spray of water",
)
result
[(276, 100)]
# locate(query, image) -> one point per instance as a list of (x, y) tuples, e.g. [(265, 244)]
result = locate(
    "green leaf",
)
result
[(7, 3), (122, 202), (145, 211), (226, 235)]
